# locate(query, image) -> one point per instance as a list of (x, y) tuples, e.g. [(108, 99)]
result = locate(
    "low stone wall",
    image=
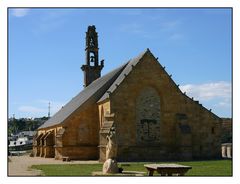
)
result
[(227, 150)]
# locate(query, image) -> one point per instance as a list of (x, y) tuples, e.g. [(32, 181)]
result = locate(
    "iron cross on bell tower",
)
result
[(92, 68)]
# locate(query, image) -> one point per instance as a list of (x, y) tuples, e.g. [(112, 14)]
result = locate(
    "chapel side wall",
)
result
[(205, 129), (43, 150), (82, 134), (206, 135), (172, 101)]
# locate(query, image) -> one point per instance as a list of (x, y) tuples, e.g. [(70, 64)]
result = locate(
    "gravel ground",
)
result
[(21, 165)]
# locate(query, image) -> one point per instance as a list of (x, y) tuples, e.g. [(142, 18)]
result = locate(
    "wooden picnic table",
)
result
[(167, 169)]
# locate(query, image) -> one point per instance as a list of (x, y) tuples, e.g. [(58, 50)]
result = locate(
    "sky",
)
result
[(46, 50)]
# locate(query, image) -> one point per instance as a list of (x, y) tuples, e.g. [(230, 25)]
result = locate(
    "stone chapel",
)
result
[(152, 118)]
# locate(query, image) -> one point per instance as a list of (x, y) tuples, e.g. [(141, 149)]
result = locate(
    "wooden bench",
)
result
[(167, 169), (67, 159)]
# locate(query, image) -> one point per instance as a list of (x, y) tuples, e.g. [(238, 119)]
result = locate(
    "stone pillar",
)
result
[(224, 151), (229, 150)]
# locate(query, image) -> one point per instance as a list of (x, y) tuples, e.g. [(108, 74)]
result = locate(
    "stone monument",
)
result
[(110, 165)]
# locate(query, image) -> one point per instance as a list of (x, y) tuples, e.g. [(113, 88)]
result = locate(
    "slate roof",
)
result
[(92, 92), (97, 91)]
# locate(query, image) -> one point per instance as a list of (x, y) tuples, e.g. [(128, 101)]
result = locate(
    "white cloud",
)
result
[(30, 109), (20, 12), (209, 91)]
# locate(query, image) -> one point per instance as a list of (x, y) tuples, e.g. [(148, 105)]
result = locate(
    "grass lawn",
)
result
[(199, 168)]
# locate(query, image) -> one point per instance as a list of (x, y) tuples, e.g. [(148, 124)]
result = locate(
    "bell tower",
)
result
[(92, 68)]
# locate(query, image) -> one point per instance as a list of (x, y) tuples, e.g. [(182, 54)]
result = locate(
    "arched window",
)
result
[(148, 116), (92, 58)]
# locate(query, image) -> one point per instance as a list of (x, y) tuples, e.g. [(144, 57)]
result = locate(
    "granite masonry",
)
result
[(153, 119)]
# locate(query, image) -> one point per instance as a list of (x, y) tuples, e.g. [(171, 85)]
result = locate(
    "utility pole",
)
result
[(48, 110)]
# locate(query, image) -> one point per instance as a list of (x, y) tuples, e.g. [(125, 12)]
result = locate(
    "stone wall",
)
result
[(148, 116), (81, 128), (81, 134), (195, 137), (154, 120), (80, 137), (43, 143), (79, 152)]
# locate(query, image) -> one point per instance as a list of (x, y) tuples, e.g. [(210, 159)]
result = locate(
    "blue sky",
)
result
[(46, 51)]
